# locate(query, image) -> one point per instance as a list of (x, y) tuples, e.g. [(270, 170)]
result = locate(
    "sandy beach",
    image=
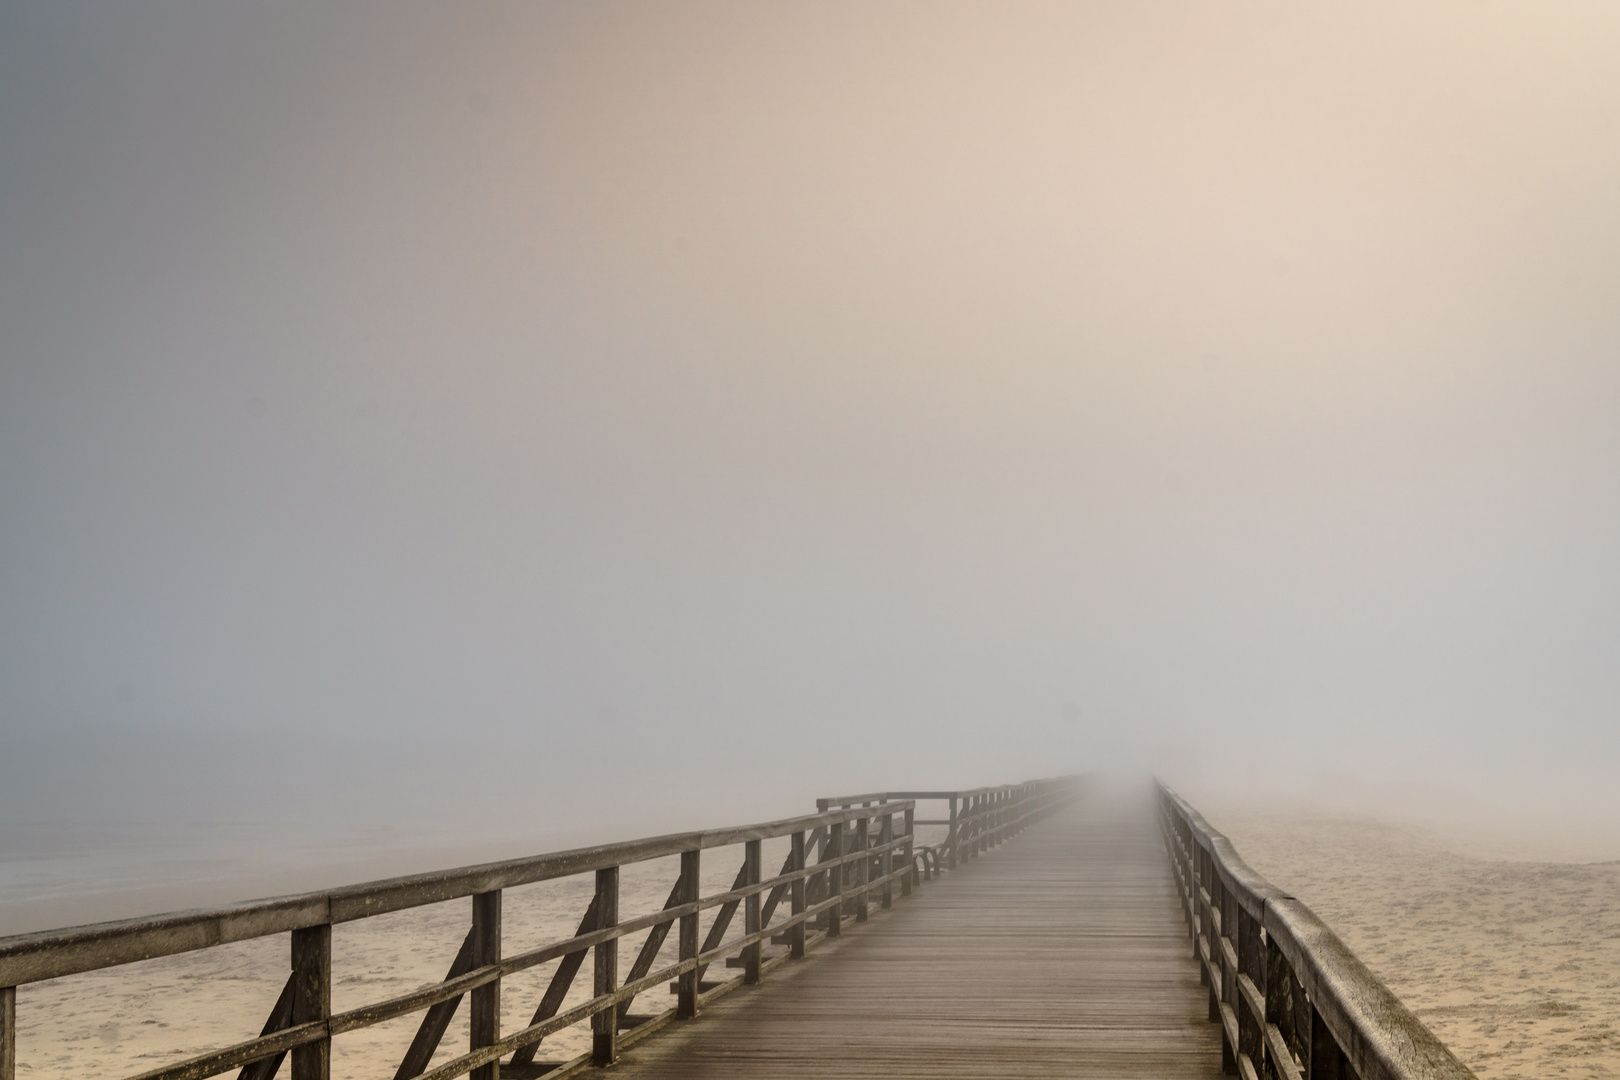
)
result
[(125, 1020), (1514, 963)]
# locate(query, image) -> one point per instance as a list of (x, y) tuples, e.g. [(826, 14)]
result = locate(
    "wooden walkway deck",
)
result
[(1062, 953)]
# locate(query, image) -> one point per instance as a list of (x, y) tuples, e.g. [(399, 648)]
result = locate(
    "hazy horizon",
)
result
[(514, 422)]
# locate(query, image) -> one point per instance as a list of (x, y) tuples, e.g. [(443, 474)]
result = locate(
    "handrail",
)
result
[(979, 817), (1293, 1001), (50, 954), (863, 853)]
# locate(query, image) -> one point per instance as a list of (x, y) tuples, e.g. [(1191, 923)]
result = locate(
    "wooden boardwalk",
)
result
[(1062, 948), (1062, 953)]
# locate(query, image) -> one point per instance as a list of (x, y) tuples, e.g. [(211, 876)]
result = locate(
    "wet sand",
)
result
[(1513, 963)]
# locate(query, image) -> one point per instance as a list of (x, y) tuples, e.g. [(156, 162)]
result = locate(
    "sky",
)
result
[(617, 416)]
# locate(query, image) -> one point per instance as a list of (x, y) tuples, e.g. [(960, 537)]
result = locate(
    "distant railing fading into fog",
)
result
[(859, 852), (1292, 1000), (976, 818)]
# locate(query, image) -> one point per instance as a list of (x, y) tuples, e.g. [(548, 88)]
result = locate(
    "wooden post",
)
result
[(1228, 978), (1327, 1059), (8, 1033), (604, 1025), (1251, 1028), (951, 837), (885, 862), (312, 998), (1198, 879), (964, 827), (687, 983), (835, 881), (1279, 1001), (751, 859), (909, 879), (863, 866), (1216, 961), (796, 899), (975, 823), (484, 1024), (1229, 933)]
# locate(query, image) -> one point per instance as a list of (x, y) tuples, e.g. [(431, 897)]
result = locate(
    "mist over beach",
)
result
[(432, 435)]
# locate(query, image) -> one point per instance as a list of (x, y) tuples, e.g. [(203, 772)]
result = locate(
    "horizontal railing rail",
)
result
[(979, 818), (837, 859), (1293, 1002)]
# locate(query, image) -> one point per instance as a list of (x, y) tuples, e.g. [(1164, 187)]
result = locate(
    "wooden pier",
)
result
[(1060, 955), (1061, 927)]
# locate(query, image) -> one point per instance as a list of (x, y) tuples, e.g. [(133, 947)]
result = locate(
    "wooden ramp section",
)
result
[(1060, 953)]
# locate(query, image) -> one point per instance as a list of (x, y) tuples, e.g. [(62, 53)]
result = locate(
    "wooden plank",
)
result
[(1061, 955), (843, 859), (226, 1058), (1279, 1056)]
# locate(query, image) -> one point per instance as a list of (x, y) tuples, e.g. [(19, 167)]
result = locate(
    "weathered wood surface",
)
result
[(305, 1025), (51, 954), (1062, 954), (1298, 1003)]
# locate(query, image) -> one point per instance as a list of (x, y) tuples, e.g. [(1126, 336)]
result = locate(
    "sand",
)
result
[(125, 1020), (1513, 963)]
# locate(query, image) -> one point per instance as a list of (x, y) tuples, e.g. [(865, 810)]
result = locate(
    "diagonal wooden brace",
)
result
[(649, 949), (561, 980), (437, 1020), (280, 1018)]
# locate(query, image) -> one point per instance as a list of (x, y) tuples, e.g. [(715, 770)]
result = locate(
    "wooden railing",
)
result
[(857, 851), (1293, 1002), (979, 818)]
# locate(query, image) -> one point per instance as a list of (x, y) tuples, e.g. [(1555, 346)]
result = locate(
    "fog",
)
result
[(526, 424)]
